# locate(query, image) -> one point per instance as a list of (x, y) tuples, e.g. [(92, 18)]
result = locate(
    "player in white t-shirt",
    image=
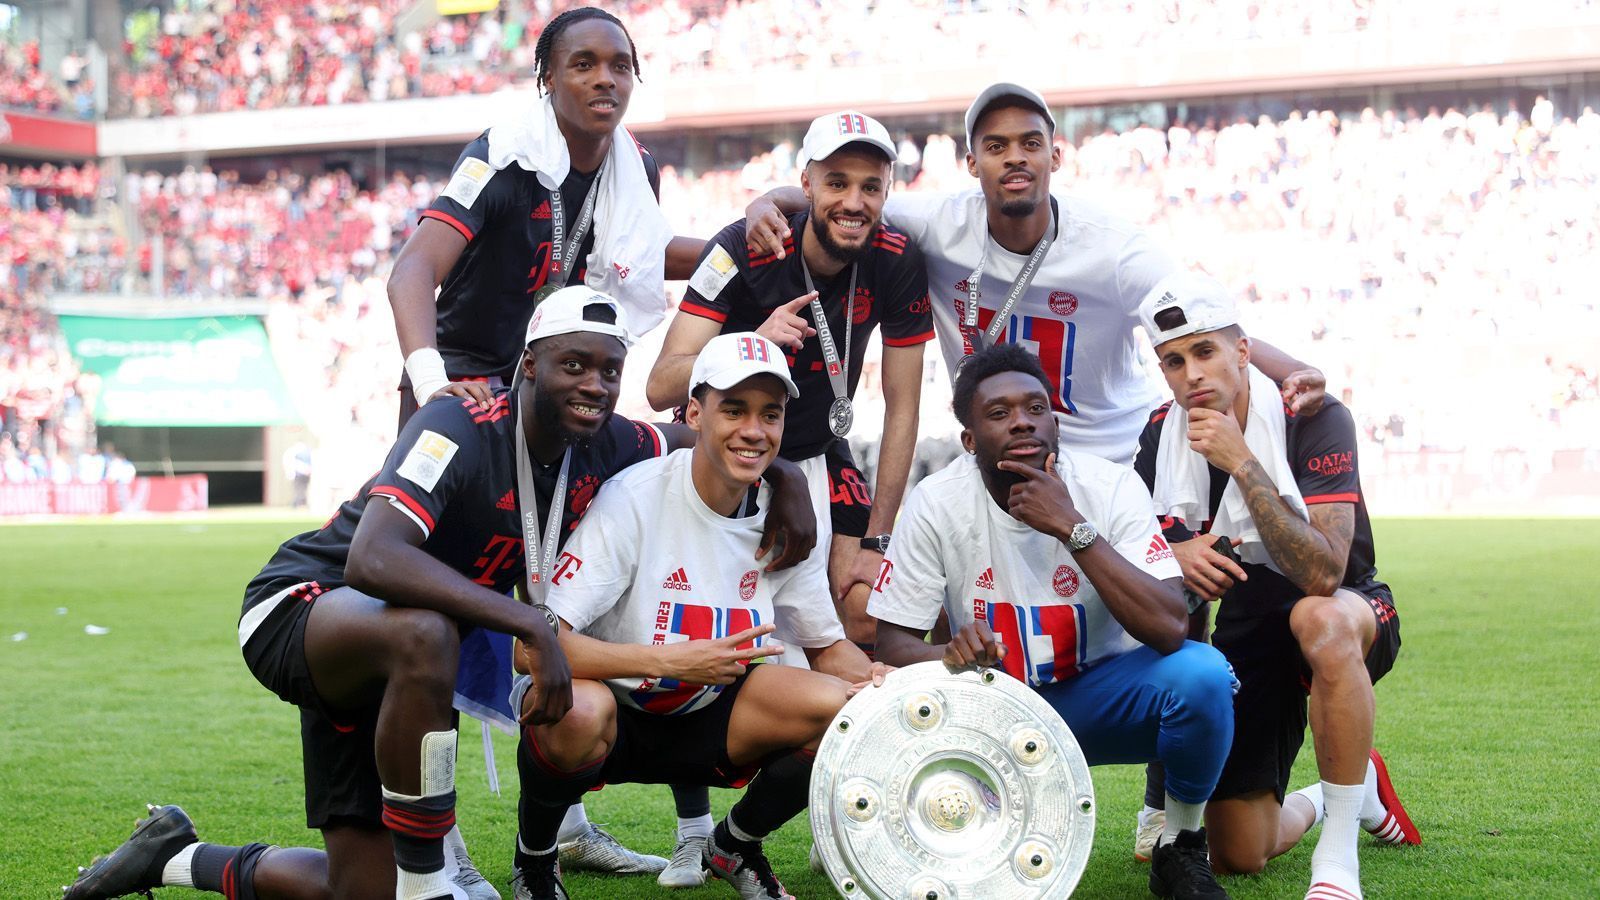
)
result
[(1078, 312), (1049, 562), (661, 609)]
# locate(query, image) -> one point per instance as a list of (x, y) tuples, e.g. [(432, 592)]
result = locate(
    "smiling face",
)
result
[(575, 379), (1012, 157), (846, 192), (1208, 369), (591, 77), (740, 429), (1011, 420)]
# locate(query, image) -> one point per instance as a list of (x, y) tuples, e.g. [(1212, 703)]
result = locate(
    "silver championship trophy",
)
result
[(946, 785)]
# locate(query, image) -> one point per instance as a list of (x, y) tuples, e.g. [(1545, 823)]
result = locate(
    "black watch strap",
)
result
[(876, 542)]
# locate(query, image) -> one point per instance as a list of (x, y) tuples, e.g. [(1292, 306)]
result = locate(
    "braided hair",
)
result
[(546, 46)]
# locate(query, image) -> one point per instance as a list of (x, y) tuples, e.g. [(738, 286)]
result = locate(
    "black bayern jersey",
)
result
[(453, 472), (1322, 452), (740, 288), (486, 300)]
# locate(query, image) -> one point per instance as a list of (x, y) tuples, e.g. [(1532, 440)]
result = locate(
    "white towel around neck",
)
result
[(630, 233), (1183, 481)]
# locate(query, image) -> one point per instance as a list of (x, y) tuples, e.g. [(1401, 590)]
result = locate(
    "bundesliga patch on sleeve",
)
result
[(714, 273), (428, 458), (468, 181)]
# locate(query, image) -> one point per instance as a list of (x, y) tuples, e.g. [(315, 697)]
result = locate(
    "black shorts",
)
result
[(849, 495), (1269, 712), (687, 749), (337, 747)]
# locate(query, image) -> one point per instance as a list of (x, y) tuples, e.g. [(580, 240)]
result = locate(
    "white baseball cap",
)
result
[(830, 132), (562, 313), (999, 90), (1186, 303), (728, 359)]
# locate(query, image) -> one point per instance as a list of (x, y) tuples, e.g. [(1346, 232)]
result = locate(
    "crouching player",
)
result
[(661, 616)]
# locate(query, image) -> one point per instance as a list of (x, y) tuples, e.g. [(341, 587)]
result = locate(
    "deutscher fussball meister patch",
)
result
[(428, 458)]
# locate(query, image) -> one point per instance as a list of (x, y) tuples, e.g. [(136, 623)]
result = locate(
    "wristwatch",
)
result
[(554, 620), (878, 543), (1083, 534)]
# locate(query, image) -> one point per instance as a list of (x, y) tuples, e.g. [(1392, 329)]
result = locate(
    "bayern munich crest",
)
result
[(944, 785)]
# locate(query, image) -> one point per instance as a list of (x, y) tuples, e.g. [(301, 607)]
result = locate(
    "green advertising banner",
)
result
[(191, 372)]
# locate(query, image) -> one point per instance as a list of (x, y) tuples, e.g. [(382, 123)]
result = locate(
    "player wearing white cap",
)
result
[(842, 275), (661, 613), (1302, 610)]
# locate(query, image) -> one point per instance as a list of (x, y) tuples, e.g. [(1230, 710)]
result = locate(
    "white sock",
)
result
[(1372, 810), (1334, 862), (420, 886), (1148, 813), (574, 825), (739, 834), (1181, 817), (1312, 794), (699, 826), (177, 873)]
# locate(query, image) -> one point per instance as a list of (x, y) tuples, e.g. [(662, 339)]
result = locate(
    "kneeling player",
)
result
[(660, 611), (1049, 562), (1304, 611)]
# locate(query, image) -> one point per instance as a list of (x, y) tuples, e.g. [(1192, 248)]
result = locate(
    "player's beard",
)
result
[(845, 255), (547, 412), (1003, 480), (1018, 209)]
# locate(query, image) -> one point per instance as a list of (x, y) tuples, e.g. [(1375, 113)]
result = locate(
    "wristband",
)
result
[(425, 368)]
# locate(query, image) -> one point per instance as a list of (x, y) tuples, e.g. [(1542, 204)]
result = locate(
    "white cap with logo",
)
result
[(562, 313), (1186, 303), (830, 132), (729, 359), (999, 90)]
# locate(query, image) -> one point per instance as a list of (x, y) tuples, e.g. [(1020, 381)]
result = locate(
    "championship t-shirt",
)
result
[(955, 548), (740, 289), (1078, 315), (485, 301), (652, 564)]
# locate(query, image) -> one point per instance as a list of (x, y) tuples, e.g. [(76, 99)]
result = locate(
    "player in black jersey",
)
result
[(373, 677), (847, 161), (486, 242), (1302, 609)]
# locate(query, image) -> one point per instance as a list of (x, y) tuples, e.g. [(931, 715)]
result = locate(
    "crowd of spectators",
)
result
[(1435, 264), (222, 55)]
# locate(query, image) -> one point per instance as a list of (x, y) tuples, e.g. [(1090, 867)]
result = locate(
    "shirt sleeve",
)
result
[(1140, 264), (599, 562), (718, 280), (1131, 528), (633, 442), (907, 314), (475, 194), (911, 213), (434, 458), (1325, 457), (804, 607), (911, 582)]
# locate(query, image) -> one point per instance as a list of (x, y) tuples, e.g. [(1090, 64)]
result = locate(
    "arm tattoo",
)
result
[(1308, 552)]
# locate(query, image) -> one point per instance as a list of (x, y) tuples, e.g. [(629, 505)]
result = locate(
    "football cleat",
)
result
[(686, 869), (539, 881), (468, 878), (1182, 869), (749, 872), (135, 867), (1395, 827), (597, 851), (1146, 833)]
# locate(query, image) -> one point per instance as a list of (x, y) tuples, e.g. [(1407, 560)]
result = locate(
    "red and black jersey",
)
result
[(1322, 450), (453, 472), (891, 289), (485, 301)]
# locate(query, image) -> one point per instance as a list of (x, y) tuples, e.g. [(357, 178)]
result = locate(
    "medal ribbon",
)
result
[(969, 318), (838, 371), (563, 250), (536, 575)]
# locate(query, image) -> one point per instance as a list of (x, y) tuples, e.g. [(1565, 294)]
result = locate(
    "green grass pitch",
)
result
[(1490, 720)]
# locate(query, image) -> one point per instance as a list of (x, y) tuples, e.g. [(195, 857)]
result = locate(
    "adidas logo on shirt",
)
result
[(542, 211), (1158, 550), (509, 501), (677, 581), (985, 581)]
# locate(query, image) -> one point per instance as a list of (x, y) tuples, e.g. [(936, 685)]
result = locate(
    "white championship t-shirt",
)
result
[(652, 564), (954, 547), (1078, 315)]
